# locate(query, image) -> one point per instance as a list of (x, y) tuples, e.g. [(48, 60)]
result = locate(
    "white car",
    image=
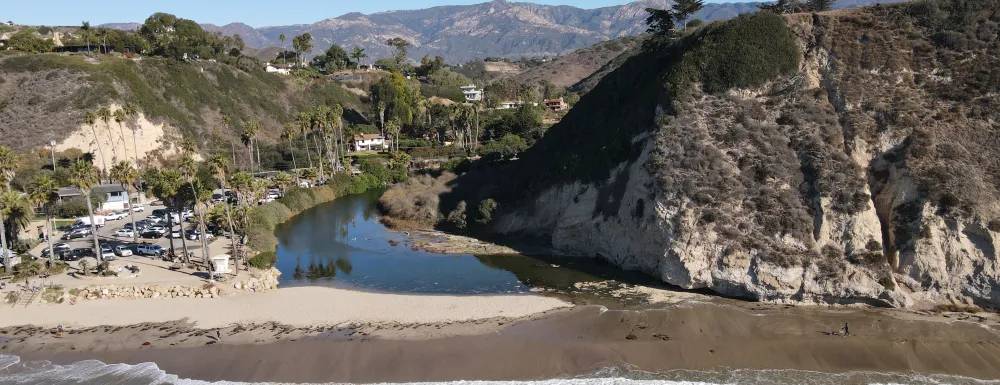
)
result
[(115, 216), (187, 214), (106, 253), (123, 251), (126, 233), (150, 249), (138, 208)]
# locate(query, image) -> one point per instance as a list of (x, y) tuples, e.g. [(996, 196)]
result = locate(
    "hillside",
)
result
[(572, 68), (778, 158), (461, 33), (44, 96)]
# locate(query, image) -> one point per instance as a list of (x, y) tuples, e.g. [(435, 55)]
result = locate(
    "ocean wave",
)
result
[(93, 372)]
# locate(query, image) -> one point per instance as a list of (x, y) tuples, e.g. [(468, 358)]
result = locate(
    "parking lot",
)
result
[(106, 235)]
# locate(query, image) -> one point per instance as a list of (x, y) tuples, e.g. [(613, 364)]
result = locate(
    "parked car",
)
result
[(157, 228), (149, 249), (187, 213), (138, 208), (174, 234), (193, 234), (77, 254), (118, 215), (107, 253), (123, 251), (78, 233), (218, 198), (151, 234), (58, 247), (126, 233)]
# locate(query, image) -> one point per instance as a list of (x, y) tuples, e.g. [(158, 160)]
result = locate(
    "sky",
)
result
[(257, 13)]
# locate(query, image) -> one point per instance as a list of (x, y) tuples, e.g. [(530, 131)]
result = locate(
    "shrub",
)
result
[(263, 260), (486, 209), (416, 200), (261, 239), (437, 152), (269, 215), (298, 199)]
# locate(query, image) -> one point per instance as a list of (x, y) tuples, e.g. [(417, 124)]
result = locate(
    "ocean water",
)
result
[(13, 371)]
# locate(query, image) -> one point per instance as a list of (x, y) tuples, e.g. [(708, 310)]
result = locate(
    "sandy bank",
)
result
[(695, 336), (299, 306)]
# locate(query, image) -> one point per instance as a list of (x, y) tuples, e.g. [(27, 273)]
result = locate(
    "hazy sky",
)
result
[(256, 13)]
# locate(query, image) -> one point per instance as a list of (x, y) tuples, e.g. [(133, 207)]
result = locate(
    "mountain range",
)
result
[(464, 32)]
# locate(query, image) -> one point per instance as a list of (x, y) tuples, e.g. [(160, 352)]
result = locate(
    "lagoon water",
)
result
[(340, 243)]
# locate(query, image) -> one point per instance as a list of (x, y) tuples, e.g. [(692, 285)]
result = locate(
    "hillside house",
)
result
[(367, 142), (280, 69), (556, 104), (115, 196), (472, 94), (509, 104), (4, 38)]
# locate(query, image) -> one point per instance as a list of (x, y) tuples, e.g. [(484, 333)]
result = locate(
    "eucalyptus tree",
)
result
[(83, 176)]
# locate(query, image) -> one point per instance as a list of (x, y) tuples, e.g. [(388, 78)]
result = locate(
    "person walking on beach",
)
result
[(847, 331), (218, 334), (59, 331)]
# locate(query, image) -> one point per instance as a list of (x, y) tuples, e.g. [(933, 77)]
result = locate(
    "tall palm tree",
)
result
[(319, 124), (358, 54), (166, 185), (304, 120), (16, 212), (83, 176), (120, 117), (227, 122), (42, 192), (337, 114), (219, 169), (288, 133), (250, 130), (124, 173), (189, 169), (105, 114), (90, 118), (475, 108), (392, 127), (242, 184), (282, 38), (130, 110), (85, 27), (8, 165)]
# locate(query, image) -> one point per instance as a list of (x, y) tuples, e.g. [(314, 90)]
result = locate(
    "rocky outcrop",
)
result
[(868, 175), (253, 281)]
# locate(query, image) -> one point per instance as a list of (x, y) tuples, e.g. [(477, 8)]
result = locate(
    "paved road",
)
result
[(106, 235)]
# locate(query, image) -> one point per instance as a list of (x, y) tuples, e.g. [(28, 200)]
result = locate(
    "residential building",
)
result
[(115, 196), (281, 69), (472, 94), (367, 142), (556, 104), (4, 38), (508, 104)]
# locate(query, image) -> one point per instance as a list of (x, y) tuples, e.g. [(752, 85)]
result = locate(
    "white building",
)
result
[(508, 104), (115, 196), (281, 69), (472, 94), (367, 142)]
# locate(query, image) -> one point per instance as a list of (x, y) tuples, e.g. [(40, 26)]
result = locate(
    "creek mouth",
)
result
[(341, 244)]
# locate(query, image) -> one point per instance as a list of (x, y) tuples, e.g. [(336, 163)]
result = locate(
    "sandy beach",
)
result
[(689, 335), (298, 306)]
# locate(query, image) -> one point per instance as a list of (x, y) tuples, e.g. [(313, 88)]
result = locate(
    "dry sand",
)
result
[(690, 335), (298, 306)]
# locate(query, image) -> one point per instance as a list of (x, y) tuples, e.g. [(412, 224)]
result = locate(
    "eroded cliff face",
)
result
[(870, 175)]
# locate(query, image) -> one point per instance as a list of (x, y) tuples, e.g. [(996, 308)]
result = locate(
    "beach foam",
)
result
[(14, 372)]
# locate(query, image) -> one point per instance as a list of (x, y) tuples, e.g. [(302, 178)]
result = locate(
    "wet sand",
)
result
[(691, 335)]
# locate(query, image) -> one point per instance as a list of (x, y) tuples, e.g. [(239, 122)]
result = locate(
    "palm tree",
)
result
[(120, 117), (319, 124), (16, 211), (189, 169), (282, 38), (42, 192), (288, 133), (475, 109), (90, 118), (124, 173), (304, 121), (283, 180), (250, 130), (85, 27), (337, 113), (83, 176), (219, 169), (130, 110), (358, 54), (393, 128), (166, 185), (8, 165), (105, 114), (226, 121)]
